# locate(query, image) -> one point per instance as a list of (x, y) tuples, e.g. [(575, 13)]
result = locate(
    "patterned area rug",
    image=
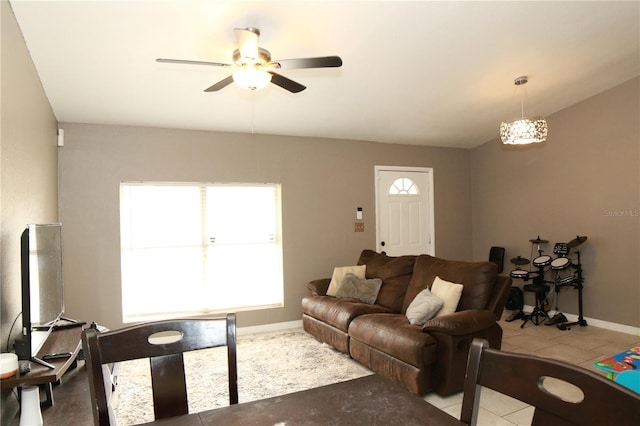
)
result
[(269, 364)]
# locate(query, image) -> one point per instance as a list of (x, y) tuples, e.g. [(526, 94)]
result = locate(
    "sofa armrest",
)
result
[(319, 287), (453, 349), (461, 323)]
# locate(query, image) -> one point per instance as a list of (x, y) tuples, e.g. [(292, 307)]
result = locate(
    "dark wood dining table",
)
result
[(369, 400)]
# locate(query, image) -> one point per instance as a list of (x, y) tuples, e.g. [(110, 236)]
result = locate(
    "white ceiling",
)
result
[(436, 73)]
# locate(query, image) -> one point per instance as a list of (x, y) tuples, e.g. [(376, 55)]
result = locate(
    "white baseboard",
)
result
[(266, 328), (622, 328)]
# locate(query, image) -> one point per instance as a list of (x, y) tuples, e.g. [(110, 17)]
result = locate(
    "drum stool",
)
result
[(538, 314)]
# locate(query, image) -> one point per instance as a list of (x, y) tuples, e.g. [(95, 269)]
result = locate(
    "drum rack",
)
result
[(577, 284), (539, 284)]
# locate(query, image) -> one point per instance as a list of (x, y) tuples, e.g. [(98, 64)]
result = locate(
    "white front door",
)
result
[(404, 210)]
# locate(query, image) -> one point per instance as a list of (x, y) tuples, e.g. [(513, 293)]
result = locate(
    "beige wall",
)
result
[(587, 172), (28, 162), (28, 169), (323, 181)]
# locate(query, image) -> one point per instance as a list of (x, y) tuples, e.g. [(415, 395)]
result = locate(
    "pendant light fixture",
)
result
[(525, 130)]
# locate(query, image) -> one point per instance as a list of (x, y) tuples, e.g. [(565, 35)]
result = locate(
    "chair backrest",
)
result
[(525, 378), (163, 342)]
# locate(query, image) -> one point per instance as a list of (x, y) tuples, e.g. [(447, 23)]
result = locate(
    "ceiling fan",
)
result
[(253, 67)]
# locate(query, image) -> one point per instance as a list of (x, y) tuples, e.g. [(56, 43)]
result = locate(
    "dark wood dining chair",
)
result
[(164, 343), (533, 380)]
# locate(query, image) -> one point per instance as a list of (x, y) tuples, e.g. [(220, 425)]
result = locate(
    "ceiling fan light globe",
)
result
[(251, 78)]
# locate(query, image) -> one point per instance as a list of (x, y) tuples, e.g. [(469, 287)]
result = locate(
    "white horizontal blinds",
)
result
[(199, 248), (241, 214), (244, 260), (162, 256)]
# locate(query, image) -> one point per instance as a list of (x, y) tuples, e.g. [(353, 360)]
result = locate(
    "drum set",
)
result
[(565, 274)]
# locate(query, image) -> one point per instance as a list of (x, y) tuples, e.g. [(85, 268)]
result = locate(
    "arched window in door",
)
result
[(403, 186)]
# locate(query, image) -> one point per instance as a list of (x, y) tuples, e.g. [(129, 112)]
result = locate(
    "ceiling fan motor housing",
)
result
[(263, 59)]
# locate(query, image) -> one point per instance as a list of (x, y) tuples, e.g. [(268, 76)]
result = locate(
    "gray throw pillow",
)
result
[(424, 307), (364, 290)]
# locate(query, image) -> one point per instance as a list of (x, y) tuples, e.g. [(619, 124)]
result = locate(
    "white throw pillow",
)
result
[(423, 307), (449, 292), (338, 275)]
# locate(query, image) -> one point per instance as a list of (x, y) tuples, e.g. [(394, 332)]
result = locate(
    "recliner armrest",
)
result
[(461, 323), (319, 287)]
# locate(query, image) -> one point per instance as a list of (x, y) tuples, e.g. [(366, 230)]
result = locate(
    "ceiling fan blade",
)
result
[(320, 62), (186, 61), (220, 85), (286, 83), (248, 43)]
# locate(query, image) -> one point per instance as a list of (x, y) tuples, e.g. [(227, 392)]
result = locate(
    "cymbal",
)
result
[(520, 261), (576, 241), (538, 241)]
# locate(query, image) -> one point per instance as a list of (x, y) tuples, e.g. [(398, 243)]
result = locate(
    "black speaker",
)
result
[(496, 255)]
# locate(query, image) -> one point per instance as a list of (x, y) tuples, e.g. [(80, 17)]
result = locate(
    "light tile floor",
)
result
[(580, 345)]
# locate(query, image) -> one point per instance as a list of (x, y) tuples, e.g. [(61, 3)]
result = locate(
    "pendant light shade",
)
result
[(525, 130)]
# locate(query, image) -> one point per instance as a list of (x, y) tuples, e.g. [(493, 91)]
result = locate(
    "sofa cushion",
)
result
[(338, 274), (337, 312), (395, 273), (477, 278), (395, 336), (424, 307), (362, 289)]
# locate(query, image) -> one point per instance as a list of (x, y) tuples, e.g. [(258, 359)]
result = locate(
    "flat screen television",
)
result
[(42, 287)]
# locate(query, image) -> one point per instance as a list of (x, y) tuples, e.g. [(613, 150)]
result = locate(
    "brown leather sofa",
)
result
[(379, 336)]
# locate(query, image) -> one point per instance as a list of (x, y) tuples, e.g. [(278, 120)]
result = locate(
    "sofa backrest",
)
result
[(478, 279), (395, 273), (499, 295)]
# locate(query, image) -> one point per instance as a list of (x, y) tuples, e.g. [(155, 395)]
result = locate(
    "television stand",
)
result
[(62, 340)]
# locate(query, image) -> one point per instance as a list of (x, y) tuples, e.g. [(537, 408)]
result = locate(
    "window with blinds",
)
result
[(191, 249)]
